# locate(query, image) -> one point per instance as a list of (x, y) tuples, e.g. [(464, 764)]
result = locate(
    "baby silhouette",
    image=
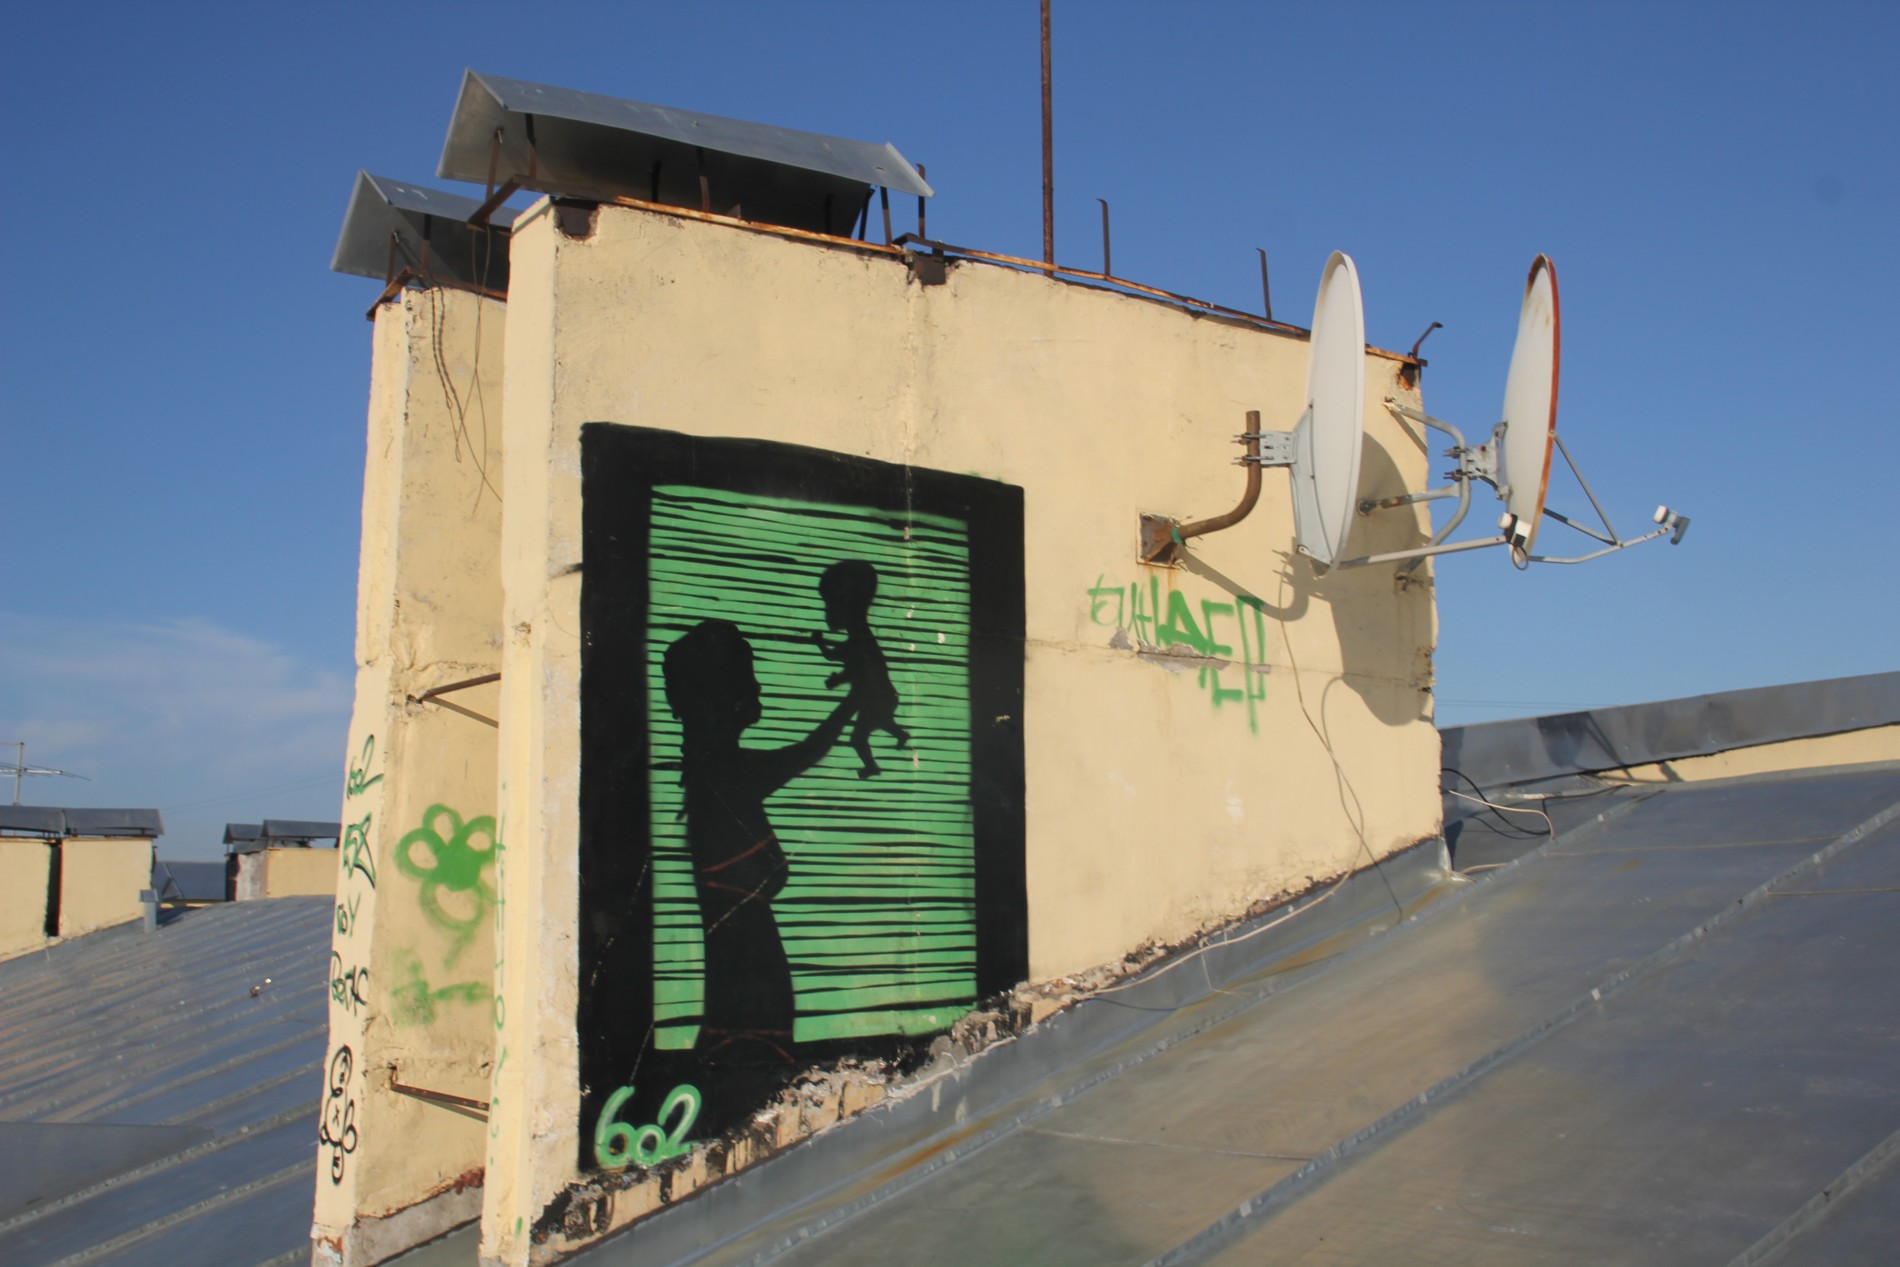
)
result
[(847, 589)]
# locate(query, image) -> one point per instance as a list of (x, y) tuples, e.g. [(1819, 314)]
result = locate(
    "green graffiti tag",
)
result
[(346, 914), (618, 1145), (1161, 623), (444, 857), (347, 984), (416, 1002), (355, 851), (359, 780)]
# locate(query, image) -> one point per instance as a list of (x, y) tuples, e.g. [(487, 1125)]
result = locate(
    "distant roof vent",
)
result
[(393, 227), (509, 134)]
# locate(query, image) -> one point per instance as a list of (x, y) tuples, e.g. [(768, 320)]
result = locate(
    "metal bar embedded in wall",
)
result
[(1108, 262), (884, 202), (463, 685), (1266, 290), (1121, 283), (497, 193), (435, 693), (477, 1107), (407, 275)]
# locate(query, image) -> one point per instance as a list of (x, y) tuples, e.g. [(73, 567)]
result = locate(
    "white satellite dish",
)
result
[(1327, 440), (1515, 461), (1322, 450), (1530, 405)]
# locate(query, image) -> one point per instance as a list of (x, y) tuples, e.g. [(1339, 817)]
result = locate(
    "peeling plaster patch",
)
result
[(1179, 659)]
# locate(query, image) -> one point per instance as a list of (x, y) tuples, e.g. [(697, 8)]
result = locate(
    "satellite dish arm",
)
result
[(1669, 523), (1472, 464)]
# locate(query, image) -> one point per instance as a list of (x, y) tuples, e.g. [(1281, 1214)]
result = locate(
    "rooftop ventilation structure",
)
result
[(398, 232), (507, 134)]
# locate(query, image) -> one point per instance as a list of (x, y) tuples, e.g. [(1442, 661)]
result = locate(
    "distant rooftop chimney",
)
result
[(508, 134)]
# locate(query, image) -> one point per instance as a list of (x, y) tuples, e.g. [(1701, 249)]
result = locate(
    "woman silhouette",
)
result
[(738, 866)]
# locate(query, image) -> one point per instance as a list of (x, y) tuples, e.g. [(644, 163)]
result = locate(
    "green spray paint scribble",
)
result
[(1158, 624), (447, 855), (415, 1002)]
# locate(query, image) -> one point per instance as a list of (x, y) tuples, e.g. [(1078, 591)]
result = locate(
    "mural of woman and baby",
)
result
[(738, 864), (801, 777)]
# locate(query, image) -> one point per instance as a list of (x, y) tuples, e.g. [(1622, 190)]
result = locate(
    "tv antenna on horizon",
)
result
[(19, 769), (1321, 453)]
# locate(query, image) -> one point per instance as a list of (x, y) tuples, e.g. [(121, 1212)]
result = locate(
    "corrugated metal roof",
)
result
[(152, 1108)]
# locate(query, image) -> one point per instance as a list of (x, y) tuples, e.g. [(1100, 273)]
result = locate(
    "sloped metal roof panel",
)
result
[(47, 820), (1666, 1035), (392, 224), (586, 145), (152, 1107), (1530, 748)]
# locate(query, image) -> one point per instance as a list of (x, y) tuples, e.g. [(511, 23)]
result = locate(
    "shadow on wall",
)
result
[(1373, 618)]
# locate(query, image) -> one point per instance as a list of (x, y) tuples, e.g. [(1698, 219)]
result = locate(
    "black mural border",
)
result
[(620, 467)]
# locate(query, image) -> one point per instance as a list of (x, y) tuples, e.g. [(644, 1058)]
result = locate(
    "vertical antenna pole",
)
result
[(1108, 264), (1048, 153), (1266, 291), (921, 175)]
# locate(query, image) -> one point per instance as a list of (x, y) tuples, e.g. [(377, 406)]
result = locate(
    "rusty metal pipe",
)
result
[(1048, 151), (1201, 527)]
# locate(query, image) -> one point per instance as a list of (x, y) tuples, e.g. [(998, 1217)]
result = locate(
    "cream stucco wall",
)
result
[(100, 879), (300, 872), (1157, 800), (26, 863), (414, 875), (248, 882)]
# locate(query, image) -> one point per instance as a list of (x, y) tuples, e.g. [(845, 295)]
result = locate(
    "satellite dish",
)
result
[(1327, 441), (1322, 450), (1530, 407), (1515, 461)]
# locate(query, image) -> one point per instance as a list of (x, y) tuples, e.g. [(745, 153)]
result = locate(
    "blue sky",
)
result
[(183, 382)]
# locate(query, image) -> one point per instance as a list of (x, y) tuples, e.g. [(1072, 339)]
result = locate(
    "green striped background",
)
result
[(879, 914)]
